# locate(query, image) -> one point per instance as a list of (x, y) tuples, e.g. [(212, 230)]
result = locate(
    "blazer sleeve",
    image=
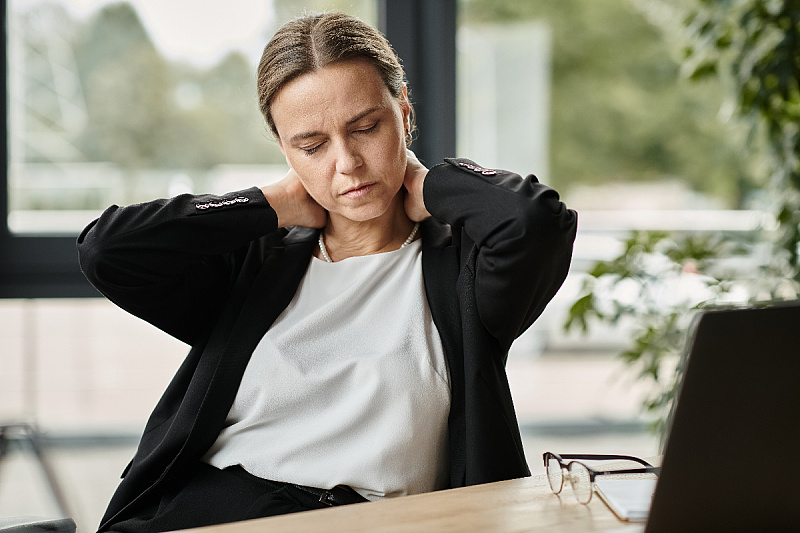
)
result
[(522, 235), (173, 261)]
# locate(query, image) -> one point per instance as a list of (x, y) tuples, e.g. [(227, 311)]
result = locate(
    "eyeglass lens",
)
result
[(581, 481), (555, 474)]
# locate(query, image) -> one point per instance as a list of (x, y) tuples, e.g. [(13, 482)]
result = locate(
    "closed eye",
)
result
[(368, 130), (312, 150)]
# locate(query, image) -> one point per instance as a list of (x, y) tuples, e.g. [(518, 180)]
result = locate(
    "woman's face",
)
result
[(343, 133)]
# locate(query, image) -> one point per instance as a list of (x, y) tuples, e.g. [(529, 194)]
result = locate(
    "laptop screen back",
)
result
[(732, 458)]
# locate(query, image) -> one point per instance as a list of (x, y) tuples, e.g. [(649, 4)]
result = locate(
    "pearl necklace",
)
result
[(405, 243)]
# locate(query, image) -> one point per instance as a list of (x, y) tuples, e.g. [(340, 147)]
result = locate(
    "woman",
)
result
[(348, 325)]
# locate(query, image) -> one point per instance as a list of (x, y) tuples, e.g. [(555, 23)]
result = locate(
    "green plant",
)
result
[(754, 46), (653, 289)]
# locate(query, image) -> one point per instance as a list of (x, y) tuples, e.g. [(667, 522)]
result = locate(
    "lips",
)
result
[(359, 190)]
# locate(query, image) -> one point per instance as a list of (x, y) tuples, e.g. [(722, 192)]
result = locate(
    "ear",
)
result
[(405, 107)]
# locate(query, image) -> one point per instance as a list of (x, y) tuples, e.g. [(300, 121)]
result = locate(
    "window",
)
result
[(119, 102)]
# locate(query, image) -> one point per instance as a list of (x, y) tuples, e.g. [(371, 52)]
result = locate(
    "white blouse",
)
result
[(349, 386)]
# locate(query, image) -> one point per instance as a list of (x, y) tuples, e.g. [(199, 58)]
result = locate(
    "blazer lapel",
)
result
[(440, 270), (271, 291)]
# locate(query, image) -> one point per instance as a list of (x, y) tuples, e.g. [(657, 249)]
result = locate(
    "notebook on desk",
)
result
[(731, 458)]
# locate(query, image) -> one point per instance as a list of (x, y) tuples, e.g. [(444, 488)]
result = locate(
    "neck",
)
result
[(347, 238)]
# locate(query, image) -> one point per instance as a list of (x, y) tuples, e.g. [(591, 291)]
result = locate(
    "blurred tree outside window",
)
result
[(121, 102), (618, 110)]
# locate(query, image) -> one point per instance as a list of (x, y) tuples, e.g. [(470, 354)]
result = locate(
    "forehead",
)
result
[(329, 96)]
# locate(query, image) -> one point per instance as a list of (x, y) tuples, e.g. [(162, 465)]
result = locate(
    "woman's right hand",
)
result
[(413, 181), (294, 206)]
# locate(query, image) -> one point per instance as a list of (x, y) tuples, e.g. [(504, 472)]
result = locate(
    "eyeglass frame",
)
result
[(593, 473)]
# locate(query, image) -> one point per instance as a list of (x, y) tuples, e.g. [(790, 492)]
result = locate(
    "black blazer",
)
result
[(215, 272)]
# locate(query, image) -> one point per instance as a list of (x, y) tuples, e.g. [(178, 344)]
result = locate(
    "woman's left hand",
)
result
[(413, 182)]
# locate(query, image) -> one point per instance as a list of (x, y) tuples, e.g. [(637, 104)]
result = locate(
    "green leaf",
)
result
[(580, 312), (704, 70)]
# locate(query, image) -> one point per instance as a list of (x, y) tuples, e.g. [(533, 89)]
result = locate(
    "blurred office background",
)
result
[(121, 102)]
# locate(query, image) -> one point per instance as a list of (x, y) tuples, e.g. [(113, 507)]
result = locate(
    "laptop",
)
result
[(732, 456)]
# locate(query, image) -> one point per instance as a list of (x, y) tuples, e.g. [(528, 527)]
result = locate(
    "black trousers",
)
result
[(212, 496)]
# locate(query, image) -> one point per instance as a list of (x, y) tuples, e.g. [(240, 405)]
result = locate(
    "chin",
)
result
[(367, 212), (362, 215)]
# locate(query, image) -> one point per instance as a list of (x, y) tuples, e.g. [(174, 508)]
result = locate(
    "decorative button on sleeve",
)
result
[(476, 168), (223, 203)]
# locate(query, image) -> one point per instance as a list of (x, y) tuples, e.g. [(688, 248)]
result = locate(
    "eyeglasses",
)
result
[(581, 476)]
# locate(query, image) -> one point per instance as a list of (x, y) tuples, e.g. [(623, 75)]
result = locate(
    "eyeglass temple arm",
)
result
[(600, 457), (649, 470)]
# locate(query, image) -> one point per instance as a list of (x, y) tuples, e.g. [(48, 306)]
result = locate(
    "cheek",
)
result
[(395, 158), (390, 150)]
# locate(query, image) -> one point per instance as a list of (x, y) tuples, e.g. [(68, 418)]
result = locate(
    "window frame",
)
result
[(423, 34)]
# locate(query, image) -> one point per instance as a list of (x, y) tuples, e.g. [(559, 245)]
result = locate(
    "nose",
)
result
[(348, 158)]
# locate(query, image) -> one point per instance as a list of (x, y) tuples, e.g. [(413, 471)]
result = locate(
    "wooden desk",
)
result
[(518, 505)]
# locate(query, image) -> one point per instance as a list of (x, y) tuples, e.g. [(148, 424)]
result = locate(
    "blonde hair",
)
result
[(312, 42)]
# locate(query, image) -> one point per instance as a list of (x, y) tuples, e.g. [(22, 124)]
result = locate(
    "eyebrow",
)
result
[(309, 134)]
